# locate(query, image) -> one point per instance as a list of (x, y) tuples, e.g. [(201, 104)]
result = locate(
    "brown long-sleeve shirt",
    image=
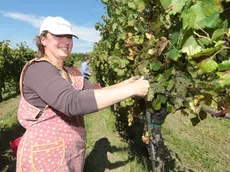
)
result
[(43, 85)]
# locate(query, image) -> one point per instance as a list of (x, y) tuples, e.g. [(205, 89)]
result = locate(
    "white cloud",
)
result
[(35, 21), (88, 34), (82, 47)]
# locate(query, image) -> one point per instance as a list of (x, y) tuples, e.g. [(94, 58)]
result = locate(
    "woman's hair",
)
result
[(41, 48)]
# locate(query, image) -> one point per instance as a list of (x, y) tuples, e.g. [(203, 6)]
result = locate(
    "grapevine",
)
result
[(182, 46)]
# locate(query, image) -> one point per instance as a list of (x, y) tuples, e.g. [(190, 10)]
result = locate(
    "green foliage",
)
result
[(75, 57), (12, 61), (183, 46)]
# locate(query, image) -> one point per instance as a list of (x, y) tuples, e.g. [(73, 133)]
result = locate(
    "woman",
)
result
[(54, 99)]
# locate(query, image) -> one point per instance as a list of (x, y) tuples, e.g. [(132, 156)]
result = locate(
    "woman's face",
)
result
[(59, 46)]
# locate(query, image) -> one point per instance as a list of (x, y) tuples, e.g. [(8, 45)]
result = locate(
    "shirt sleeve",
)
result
[(45, 79)]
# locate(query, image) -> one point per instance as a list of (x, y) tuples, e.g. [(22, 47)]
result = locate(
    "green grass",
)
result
[(106, 150), (10, 129), (201, 148)]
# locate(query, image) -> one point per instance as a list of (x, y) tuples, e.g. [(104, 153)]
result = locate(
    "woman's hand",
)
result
[(110, 95), (130, 80), (140, 87), (125, 82)]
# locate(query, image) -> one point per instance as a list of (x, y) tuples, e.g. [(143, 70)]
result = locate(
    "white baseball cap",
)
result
[(57, 26)]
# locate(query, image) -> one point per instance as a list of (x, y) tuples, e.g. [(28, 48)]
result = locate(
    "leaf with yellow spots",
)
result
[(130, 35), (192, 107), (149, 36), (152, 51), (130, 117), (228, 33)]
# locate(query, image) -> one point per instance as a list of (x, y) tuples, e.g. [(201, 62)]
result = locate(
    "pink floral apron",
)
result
[(52, 141)]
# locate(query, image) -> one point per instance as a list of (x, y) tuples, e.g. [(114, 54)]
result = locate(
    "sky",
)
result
[(20, 20)]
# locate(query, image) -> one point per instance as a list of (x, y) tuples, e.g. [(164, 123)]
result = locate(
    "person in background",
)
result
[(54, 100), (85, 68)]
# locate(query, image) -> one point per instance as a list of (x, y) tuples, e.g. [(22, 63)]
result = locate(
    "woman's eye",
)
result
[(69, 36), (59, 36), (64, 36)]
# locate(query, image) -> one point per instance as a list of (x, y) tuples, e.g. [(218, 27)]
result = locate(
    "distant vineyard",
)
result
[(12, 61)]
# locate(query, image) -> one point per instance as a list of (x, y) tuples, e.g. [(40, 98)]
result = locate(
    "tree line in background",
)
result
[(12, 60)]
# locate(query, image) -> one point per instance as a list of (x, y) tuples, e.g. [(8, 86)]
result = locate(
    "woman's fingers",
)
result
[(141, 87)]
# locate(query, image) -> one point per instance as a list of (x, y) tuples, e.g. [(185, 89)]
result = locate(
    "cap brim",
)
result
[(65, 33), (75, 36)]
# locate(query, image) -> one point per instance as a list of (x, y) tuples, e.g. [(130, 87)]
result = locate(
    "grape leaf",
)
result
[(114, 26), (204, 42), (175, 5), (225, 65), (208, 65), (224, 79), (140, 4), (120, 72), (211, 6), (191, 47), (173, 54), (131, 5), (168, 73), (155, 66), (217, 34), (131, 22), (205, 52), (123, 63), (193, 15), (166, 3), (196, 18), (208, 22), (158, 101), (138, 39)]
